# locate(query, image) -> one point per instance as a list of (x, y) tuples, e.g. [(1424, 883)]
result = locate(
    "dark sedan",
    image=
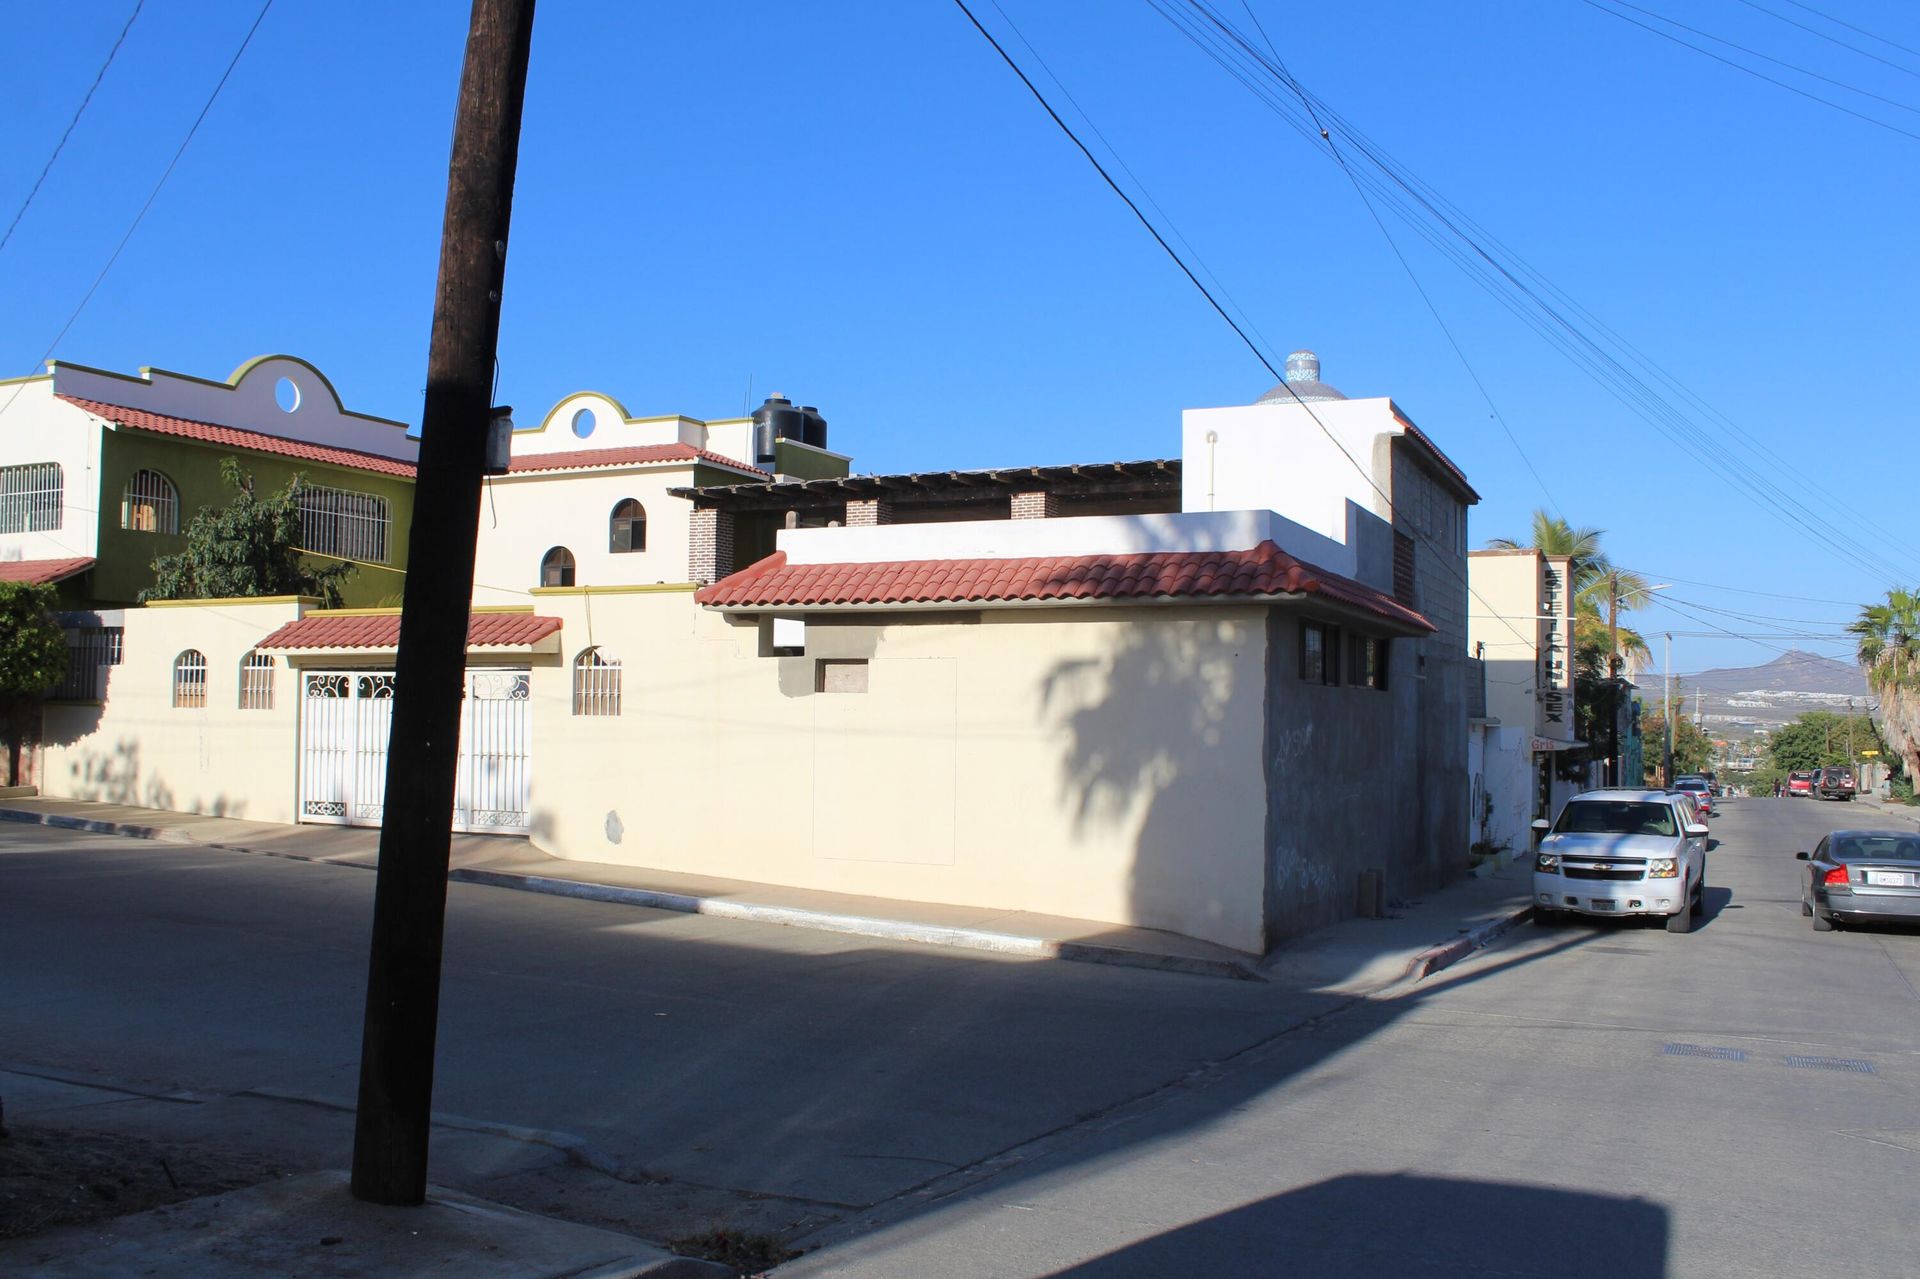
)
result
[(1857, 876)]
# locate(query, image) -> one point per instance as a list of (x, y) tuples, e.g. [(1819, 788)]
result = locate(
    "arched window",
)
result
[(596, 683), (149, 504), (556, 567), (190, 678), (627, 527), (256, 681)]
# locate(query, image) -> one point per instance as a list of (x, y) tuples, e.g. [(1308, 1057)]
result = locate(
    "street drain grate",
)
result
[(1832, 1063), (1697, 1050)]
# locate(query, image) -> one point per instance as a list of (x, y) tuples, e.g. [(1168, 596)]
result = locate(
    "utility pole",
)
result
[(410, 892), (1666, 764), (1613, 678)]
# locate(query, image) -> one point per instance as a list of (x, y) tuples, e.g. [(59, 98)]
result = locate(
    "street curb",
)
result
[(861, 925), (1446, 954), (1012, 944)]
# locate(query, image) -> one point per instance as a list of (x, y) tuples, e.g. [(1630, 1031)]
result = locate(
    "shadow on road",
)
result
[(1397, 1226)]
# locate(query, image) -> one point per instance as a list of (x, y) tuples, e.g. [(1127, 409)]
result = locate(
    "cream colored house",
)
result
[(1076, 690)]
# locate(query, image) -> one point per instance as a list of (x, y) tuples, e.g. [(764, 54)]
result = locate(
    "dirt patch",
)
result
[(58, 1177)]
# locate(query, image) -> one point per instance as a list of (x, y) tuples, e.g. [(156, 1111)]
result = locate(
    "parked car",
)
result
[(1854, 876), (1834, 783), (1700, 788), (1799, 784), (1622, 852)]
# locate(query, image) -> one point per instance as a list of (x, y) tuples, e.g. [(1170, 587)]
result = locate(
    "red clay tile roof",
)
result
[(634, 455), (382, 630), (1266, 570), (234, 437), (40, 572)]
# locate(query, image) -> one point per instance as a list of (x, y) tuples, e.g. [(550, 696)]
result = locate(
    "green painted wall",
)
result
[(807, 463), (126, 556)]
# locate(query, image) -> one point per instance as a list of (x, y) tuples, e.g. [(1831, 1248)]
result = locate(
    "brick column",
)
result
[(709, 545), (865, 513), (1035, 506)]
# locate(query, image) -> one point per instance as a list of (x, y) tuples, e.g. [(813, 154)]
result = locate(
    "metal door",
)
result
[(346, 718)]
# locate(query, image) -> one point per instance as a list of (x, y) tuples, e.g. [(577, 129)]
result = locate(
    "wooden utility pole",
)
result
[(410, 894), (1613, 679)]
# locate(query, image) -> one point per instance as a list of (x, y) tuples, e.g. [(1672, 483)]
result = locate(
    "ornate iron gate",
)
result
[(347, 716)]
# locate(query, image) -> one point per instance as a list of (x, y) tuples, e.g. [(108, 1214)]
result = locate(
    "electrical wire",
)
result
[(152, 195), (1521, 289), (1833, 39), (1432, 309), (1807, 8), (1758, 75), (1159, 239), (79, 111)]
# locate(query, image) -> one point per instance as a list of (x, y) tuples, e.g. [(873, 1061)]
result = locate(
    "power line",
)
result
[(1392, 244), (1737, 590), (1766, 57), (1758, 75), (151, 197), (1188, 272), (1833, 39), (98, 76), (1466, 244)]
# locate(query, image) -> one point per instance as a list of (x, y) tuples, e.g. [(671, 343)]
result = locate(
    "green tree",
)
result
[(1692, 749), (1595, 580), (33, 658), (251, 546), (1889, 653), (1819, 739)]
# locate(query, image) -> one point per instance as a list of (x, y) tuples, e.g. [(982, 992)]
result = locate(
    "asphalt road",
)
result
[(1578, 1100), (1597, 1100)]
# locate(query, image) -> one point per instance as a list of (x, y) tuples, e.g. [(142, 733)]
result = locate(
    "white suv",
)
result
[(1622, 852)]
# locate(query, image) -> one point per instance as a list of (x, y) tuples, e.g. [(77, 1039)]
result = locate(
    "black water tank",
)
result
[(814, 428), (776, 419)]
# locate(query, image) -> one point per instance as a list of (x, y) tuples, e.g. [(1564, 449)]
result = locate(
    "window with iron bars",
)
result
[(190, 679), (256, 682), (88, 649), (596, 684), (30, 498), (351, 526), (150, 504)]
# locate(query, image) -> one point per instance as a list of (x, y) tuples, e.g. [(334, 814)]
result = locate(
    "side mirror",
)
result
[(1805, 857), (1697, 831), (1542, 825)]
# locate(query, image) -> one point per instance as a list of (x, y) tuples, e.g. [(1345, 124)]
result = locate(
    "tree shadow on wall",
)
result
[(1164, 738), (1401, 1226)]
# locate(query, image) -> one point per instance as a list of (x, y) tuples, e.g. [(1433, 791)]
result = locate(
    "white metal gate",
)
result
[(345, 720)]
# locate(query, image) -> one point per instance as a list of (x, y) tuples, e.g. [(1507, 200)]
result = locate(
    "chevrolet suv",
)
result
[(1622, 852)]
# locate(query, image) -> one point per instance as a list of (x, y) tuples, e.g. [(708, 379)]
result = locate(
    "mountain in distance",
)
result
[(1734, 698)]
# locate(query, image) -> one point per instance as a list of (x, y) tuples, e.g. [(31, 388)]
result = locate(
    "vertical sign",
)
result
[(1556, 640)]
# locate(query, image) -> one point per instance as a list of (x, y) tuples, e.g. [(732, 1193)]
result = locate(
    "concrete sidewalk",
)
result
[(1357, 956), (1901, 812)]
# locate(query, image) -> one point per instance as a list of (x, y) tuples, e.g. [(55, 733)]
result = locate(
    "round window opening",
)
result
[(286, 395), (583, 423)]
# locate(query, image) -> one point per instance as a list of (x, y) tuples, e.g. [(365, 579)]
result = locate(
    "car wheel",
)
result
[(1681, 921), (1822, 923), (1698, 906), (1543, 917), (1806, 907)]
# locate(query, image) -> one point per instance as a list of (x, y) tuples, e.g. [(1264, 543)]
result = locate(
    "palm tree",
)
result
[(1595, 581), (1889, 653)]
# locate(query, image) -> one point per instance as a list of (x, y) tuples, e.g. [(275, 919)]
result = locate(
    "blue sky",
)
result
[(859, 206)]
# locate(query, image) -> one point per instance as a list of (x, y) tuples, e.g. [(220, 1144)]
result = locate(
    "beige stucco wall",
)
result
[(1098, 763), (136, 747), (524, 516)]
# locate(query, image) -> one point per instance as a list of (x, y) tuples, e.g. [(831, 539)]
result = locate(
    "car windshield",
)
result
[(1875, 848), (1689, 783), (1616, 817)]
